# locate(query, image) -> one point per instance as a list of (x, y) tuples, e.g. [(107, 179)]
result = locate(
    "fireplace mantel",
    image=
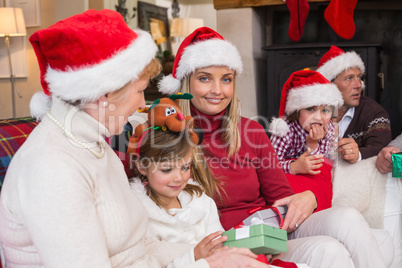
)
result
[(223, 4)]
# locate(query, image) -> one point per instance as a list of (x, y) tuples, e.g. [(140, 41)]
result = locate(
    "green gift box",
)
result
[(396, 165), (260, 239)]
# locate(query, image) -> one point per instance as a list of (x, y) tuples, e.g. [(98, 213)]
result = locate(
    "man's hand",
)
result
[(348, 149), (206, 246), (300, 207), (384, 162), (307, 164)]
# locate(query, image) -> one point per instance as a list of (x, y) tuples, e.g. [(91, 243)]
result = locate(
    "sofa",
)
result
[(366, 192)]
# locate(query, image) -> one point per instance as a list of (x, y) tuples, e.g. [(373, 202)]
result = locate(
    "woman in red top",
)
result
[(246, 169)]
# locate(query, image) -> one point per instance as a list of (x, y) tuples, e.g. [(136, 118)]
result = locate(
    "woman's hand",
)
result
[(234, 258), (206, 246), (307, 164), (300, 207)]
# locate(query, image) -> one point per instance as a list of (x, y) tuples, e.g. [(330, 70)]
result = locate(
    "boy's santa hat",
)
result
[(86, 56), (336, 61), (302, 90), (202, 48)]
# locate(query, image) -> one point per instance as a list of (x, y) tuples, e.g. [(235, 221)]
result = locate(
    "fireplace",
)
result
[(378, 40), (282, 60)]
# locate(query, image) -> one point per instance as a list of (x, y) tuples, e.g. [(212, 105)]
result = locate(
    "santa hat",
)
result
[(336, 61), (202, 48), (302, 90), (86, 56)]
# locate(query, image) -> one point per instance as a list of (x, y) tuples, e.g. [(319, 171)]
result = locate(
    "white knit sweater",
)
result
[(61, 206), (197, 218)]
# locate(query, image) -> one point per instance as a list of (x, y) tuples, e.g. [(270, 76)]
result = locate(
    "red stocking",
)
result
[(298, 14), (339, 15)]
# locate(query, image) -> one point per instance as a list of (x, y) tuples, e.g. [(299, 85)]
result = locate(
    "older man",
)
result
[(364, 125)]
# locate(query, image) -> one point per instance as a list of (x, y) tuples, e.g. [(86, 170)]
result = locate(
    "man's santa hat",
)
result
[(304, 89), (86, 56), (202, 48), (336, 61)]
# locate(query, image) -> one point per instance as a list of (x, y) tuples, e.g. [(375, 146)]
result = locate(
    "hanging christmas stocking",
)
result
[(339, 15), (298, 14)]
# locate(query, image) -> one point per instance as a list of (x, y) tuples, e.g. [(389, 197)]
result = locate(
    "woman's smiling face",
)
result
[(212, 89)]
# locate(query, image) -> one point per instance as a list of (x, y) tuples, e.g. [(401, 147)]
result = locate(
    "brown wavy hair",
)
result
[(165, 146)]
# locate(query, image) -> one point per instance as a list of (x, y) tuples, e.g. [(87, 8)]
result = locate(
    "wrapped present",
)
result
[(397, 165), (272, 216), (260, 239)]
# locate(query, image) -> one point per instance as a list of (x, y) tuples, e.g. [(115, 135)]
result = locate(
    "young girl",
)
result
[(178, 209), (304, 140)]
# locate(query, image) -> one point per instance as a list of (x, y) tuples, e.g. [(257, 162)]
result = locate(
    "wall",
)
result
[(245, 32), (27, 86), (53, 10)]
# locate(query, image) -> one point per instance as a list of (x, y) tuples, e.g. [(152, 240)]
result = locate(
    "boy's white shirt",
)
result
[(197, 218)]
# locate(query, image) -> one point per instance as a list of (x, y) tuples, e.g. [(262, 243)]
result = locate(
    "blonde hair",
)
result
[(164, 146), (214, 186), (231, 135)]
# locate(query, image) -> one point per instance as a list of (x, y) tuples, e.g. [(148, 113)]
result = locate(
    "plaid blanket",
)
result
[(13, 133)]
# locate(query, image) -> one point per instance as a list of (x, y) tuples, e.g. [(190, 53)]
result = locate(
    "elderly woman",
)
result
[(66, 201), (246, 167)]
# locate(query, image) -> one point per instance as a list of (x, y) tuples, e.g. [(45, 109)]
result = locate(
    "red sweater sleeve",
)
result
[(274, 184), (252, 177)]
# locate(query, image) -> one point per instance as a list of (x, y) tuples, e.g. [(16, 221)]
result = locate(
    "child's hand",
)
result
[(206, 246), (307, 164), (317, 132)]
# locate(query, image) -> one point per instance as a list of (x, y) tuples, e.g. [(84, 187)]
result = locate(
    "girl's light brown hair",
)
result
[(164, 146)]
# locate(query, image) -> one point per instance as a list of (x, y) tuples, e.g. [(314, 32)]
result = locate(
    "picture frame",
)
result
[(154, 19), (128, 9), (31, 10)]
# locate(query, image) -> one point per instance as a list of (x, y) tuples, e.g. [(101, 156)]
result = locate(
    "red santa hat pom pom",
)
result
[(169, 85), (278, 127), (39, 105)]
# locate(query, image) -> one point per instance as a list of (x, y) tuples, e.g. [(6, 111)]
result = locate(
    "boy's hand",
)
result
[(315, 134), (307, 164), (206, 246)]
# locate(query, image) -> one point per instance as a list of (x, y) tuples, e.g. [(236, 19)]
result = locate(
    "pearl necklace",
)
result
[(71, 136)]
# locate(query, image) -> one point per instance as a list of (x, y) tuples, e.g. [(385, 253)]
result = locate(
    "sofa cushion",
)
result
[(13, 133)]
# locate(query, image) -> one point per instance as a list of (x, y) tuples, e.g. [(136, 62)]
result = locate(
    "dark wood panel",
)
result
[(223, 4)]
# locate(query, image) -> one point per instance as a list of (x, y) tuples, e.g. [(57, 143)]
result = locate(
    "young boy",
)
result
[(304, 134)]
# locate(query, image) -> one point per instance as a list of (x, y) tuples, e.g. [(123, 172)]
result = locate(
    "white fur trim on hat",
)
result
[(313, 95), (169, 85), (212, 52), (91, 82), (40, 103), (278, 127), (333, 67)]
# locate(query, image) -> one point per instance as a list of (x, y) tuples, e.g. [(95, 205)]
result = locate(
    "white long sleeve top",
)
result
[(61, 206), (197, 218)]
